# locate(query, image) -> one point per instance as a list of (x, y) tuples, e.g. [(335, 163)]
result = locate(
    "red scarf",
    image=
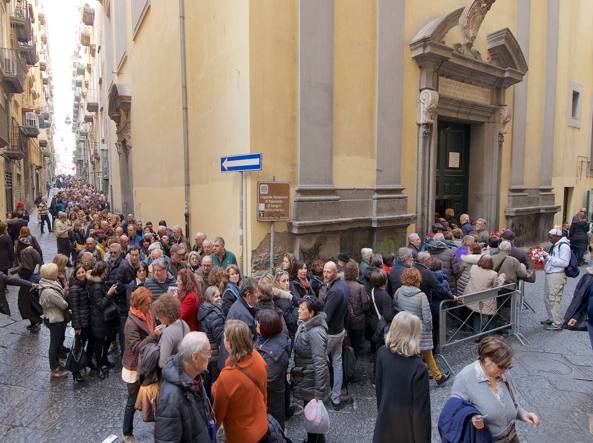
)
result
[(146, 318)]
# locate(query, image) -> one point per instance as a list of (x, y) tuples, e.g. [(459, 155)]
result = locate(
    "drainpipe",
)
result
[(185, 118)]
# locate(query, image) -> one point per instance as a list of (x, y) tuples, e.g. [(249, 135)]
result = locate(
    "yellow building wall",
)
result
[(152, 74), (355, 104), (572, 146), (218, 76), (274, 99)]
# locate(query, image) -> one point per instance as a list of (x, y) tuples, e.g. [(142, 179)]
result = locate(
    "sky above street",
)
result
[(62, 25)]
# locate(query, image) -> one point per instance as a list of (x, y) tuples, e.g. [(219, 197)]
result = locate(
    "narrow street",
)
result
[(554, 375)]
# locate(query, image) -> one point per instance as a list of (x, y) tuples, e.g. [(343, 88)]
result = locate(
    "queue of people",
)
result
[(236, 355)]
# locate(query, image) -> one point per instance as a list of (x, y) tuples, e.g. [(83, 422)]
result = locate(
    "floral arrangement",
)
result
[(537, 256)]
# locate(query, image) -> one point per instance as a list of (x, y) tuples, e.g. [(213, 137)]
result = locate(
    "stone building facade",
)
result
[(378, 113)]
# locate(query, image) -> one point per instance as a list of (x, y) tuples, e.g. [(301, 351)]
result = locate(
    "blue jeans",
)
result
[(334, 349)]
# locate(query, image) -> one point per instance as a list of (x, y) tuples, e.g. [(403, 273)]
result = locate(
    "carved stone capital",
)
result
[(503, 116), (428, 101)]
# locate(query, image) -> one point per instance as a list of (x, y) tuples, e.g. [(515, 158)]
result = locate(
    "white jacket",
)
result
[(559, 257)]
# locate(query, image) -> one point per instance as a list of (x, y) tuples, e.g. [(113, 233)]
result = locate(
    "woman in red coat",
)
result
[(188, 291)]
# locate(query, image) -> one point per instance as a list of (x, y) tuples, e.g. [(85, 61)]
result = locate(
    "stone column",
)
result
[(123, 152), (428, 100), (316, 94), (547, 151), (520, 101)]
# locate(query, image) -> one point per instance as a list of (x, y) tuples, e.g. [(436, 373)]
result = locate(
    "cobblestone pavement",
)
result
[(553, 374)]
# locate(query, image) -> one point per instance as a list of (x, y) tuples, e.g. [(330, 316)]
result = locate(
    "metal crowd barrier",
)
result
[(454, 316)]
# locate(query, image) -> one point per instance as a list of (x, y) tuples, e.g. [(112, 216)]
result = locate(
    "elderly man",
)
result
[(207, 248), (557, 260), (481, 228), (414, 243), (178, 237), (177, 262), (198, 242), (205, 268), (221, 257), (124, 241), (62, 231), (161, 280), (405, 260), (365, 259), (90, 246), (244, 307), (335, 308), (182, 411), (465, 225), (518, 253)]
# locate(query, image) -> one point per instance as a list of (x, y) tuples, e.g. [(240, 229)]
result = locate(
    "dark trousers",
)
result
[(45, 219), (133, 389), (356, 340), (123, 316), (64, 246), (57, 332)]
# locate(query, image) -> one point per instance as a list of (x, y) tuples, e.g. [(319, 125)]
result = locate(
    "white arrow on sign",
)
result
[(243, 162)]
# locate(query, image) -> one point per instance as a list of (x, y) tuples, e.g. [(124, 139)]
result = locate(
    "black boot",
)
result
[(78, 378)]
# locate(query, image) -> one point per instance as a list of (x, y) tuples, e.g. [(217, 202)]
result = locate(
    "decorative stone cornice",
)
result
[(120, 101)]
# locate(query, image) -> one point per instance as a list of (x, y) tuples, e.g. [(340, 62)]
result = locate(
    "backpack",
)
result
[(572, 270)]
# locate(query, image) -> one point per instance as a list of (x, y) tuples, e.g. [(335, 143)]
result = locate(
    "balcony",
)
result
[(45, 79), (88, 14), (92, 105), (41, 17), (13, 71), (20, 20), (43, 143), (17, 146), (30, 126), (29, 52), (88, 118), (85, 37), (43, 65)]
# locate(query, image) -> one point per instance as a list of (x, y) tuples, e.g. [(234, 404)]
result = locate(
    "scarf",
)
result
[(305, 283), (146, 318)]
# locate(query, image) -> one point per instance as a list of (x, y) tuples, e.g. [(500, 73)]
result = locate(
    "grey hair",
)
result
[(219, 240), (422, 256), (377, 260), (404, 253), (193, 343), (366, 252), (464, 218), (505, 246), (412, 236), (160, 262), (439, 236)]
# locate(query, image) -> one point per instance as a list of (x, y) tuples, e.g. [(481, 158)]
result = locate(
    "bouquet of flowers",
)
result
[(537, 256)]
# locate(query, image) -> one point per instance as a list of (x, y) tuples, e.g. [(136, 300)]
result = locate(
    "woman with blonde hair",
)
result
[(240, 393), (62, 261), (401, 384), (51, 298)]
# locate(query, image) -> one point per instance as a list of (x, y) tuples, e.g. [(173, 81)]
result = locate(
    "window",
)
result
[(574, 108)]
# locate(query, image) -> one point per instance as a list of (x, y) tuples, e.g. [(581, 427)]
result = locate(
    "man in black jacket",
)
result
[(336, 307), (405, 260), (182, 410), (120, 273), (435, 292)]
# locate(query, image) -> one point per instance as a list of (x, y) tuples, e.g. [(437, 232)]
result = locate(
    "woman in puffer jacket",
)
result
[(78, 298), (51, 299), (308, 367), (104, 318), (211, 322)]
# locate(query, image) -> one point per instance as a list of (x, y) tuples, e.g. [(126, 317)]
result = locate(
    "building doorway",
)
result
[(452, 169)]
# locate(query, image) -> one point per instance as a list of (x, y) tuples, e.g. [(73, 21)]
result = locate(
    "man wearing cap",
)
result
[(556, 262), (343, 259)]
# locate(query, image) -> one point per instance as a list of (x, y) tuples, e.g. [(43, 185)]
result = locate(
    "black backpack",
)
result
[(572, 270)]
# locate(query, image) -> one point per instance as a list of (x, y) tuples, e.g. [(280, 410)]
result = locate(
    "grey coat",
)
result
[(413, 300), (308, 360), (447, 258), (51, 298)]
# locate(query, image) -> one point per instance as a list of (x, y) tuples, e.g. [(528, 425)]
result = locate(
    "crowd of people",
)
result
[(205, 350)]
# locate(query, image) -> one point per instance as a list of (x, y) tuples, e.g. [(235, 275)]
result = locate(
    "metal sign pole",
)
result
[(241, 203), (272, 247)]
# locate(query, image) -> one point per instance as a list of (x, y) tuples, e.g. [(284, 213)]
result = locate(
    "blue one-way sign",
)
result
[(246, 162)]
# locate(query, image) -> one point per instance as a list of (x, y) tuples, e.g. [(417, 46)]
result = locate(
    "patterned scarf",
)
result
[(146, 318)]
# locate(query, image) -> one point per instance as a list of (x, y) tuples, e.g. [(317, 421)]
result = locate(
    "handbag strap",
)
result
[(500, 264), (252, 379), (511, 389), (375, 304)]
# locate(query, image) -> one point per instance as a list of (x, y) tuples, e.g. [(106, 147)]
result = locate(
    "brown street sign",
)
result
[(273, 201)]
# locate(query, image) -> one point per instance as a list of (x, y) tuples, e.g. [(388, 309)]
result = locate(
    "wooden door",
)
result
[(452, 167)]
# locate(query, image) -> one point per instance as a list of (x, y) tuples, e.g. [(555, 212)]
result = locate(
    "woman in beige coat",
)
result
[(481, 278)]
